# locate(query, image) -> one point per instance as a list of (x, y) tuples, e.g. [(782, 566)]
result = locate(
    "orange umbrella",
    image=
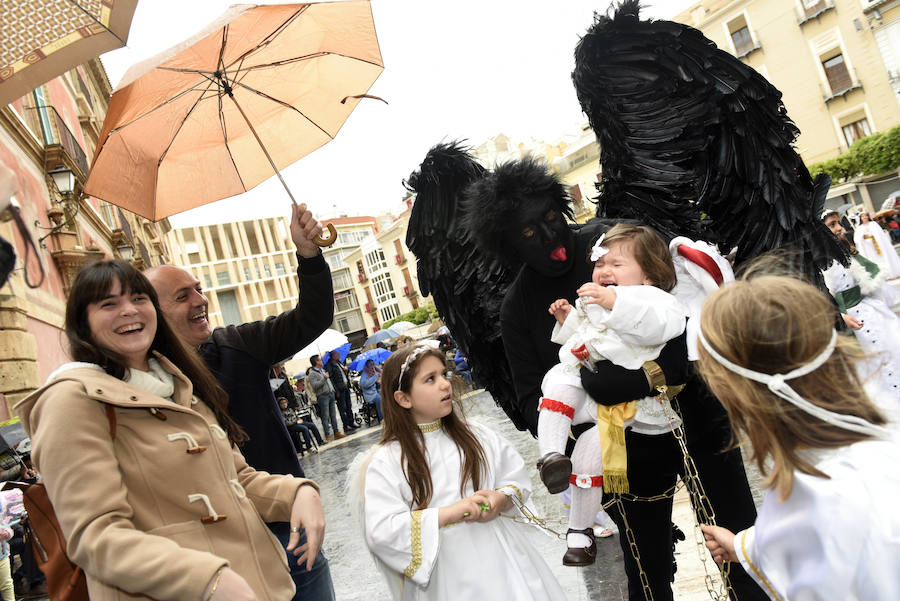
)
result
[(44, 38), (216, 115)]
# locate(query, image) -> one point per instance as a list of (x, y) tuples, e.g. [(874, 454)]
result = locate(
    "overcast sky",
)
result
[(468, 69)]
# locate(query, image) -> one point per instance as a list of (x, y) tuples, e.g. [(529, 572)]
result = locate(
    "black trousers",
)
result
[(344, 407), (654, 464)]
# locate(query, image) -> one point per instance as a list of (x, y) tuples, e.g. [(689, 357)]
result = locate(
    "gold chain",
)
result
[(704, 512)]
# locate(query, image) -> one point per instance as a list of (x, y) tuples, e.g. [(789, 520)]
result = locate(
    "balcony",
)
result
[(814, 12), (845, 84), (60, 145), (400, 259), (362, 277)]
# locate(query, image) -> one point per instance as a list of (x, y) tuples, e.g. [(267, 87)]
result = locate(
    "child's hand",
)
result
[(720, 542), (496, 502), (560, 309), (595, 294), (852, 322), (464, 510)]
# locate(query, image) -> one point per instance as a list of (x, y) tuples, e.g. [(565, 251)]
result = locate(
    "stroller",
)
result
[(368, 412)]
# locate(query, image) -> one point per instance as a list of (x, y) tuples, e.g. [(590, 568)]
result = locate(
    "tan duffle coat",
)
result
[(158, 510)]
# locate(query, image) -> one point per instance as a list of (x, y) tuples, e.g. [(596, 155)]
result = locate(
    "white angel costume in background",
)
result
[(468, 560), (700, 271), (862, 293), (836, 538), (875, 244)]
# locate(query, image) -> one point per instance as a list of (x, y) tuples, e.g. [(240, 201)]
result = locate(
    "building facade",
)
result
[(837, 63), (46, 140), (247, 268), (352, 232), (386, 283)]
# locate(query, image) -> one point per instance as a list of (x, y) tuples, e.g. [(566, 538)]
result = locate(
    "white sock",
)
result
[(576, 540), (553, 430), (586, 460)]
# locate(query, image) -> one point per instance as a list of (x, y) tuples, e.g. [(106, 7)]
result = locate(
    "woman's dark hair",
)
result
[(92, 284)]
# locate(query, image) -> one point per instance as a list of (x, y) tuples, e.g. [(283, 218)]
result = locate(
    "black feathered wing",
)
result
[(696, 143), (467, 287)]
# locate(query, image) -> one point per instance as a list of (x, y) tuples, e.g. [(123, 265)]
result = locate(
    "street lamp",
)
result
[(64, 179), (126, 251), (123, 246)]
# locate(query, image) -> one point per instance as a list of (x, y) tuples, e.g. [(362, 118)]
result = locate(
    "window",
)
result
[(384, 288), (837, 74), (350, 322), (334, 260), (341, 279), (856, 130), (344, 301), (375, 260), (352, 238), (267, 270), (223, 278), (246, 274), (279, 268), (207, 281), (389, 312), (742, 40)]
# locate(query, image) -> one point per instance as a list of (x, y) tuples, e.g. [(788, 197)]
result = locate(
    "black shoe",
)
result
[(555, 470), (581, 556)]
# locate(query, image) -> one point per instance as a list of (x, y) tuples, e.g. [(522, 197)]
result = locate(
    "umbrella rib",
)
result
[(268, 39), (94, 19), (181, 126), (296, 59), (227, 145), (159, 106), (286, 105)]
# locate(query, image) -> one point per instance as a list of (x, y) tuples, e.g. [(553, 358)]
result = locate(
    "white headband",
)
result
[(413, 355), (598, 251), (779, 387)]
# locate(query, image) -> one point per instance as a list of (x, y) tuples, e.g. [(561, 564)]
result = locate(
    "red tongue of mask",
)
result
[(559, 253)]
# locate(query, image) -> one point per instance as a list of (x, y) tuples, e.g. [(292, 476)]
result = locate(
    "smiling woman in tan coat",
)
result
[(161, 504)]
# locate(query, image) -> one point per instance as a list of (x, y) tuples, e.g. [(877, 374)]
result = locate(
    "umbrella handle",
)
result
[(331, 239)]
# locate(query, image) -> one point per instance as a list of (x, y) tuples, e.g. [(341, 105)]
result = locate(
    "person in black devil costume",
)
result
[(690, 137)]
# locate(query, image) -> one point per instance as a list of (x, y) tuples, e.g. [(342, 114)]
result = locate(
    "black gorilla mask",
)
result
[(541, 238)]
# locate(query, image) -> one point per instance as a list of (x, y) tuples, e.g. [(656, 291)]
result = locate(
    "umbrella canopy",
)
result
[(402, 326), (381, 336), (45, 38), (378, 355), (327, 340), (216, 115), (343, 350)]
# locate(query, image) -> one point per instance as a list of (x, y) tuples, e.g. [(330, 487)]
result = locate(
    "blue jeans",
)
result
[(327, 409), (314, 585)]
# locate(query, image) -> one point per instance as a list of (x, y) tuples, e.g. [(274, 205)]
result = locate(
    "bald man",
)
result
[(240, 357)]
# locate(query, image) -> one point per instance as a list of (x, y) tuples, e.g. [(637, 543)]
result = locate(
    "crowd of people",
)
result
[(203, 459), (637, 360)]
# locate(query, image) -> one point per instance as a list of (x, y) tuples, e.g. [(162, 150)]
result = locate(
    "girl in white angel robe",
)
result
[(875, 244), (464, 544), (861, 294), (828, 528)]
